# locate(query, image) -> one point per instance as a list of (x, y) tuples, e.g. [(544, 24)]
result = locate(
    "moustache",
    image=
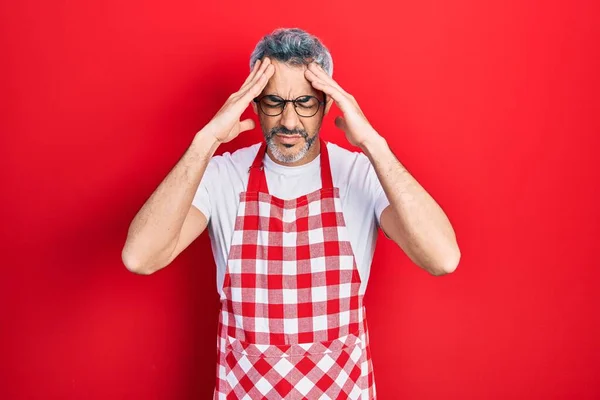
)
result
[(285, 131)]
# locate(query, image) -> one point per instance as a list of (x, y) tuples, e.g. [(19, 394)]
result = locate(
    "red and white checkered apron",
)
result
[(292, 323)]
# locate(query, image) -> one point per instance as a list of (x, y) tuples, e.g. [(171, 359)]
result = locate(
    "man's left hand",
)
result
[(355, 125)]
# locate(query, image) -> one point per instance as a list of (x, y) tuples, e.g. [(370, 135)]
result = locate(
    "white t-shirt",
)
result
[(361, 195)]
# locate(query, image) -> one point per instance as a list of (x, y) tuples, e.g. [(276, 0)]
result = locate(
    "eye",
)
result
[(307, 101), (272, 101)]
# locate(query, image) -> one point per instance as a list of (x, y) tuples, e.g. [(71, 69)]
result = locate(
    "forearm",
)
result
[(419, 225), (154, 230)]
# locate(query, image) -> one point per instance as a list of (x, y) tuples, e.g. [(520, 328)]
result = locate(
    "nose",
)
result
[(289, 118)]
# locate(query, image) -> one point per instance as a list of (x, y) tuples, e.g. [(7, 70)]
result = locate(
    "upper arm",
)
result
[(199, 213), (388, 224), (194, 224), (379, 202)]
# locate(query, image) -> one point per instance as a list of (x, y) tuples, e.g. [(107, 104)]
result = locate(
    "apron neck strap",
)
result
[(258, 182)]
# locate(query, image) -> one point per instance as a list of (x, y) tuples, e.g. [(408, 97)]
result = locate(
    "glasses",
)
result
[(305, 106)]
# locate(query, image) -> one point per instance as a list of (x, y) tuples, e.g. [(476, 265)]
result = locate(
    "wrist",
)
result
[(373, 144), (205, 144)]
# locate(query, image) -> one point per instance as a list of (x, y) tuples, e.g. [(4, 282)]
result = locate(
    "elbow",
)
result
[(448, 266), (133, 265)]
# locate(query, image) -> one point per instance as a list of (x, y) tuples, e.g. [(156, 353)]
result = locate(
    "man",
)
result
[(293, 223)]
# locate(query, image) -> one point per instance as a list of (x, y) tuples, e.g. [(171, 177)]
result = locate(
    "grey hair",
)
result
[(293, 46)]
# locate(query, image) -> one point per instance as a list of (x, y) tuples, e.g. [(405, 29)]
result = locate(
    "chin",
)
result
[(285, 154)]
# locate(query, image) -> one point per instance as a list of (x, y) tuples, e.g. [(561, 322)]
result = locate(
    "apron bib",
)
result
[(292, 323)]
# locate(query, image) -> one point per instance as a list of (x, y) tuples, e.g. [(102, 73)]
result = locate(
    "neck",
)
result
[(310, 155)]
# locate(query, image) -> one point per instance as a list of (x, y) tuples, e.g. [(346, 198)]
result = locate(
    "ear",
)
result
[(254, 107), (328, 104)]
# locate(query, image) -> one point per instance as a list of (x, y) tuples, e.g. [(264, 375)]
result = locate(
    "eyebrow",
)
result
[(301, 95)]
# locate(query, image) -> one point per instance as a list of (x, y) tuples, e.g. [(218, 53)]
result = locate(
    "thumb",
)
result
[(247, 125), (340, 123)]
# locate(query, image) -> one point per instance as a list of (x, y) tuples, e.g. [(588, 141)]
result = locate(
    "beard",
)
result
[(277, 152)]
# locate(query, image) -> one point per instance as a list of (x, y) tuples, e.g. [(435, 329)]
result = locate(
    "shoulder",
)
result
[(345, 161), (354, 174), (245, 155), (234, 162)]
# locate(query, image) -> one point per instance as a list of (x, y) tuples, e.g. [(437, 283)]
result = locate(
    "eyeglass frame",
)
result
[(284, 101)]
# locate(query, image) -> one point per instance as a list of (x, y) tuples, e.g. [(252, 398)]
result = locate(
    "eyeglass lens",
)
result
[(305, 106)]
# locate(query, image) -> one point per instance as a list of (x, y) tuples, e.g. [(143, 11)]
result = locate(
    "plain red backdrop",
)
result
[(492, 106)]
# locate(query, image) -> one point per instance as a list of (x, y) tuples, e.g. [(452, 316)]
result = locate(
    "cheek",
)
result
[(312, 126), (268, 123), (265, 122)]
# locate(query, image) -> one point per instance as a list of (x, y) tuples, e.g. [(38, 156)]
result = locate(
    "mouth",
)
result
[(288, 139)]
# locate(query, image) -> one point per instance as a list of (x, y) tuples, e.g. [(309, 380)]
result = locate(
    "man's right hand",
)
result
[(166, 224), (226, 125)]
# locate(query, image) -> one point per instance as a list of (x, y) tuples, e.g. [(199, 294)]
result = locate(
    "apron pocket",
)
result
[(259, 370), (334, 368), (304, 370)]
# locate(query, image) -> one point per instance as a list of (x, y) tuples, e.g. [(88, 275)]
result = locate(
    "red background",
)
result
[(492, 106)]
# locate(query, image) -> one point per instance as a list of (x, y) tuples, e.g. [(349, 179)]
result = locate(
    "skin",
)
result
[(167, 224), (290, 82), (413, 220)]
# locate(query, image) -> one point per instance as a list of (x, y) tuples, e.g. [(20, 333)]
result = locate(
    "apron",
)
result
[(292, 323)]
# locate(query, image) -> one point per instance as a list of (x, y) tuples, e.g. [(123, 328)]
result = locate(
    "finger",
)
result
[(340, 98), (259, 84), (252, 73), (241, 100), (247, 125), (263, 66), (312, 76), (258, 67), (340, 123), (318, 71)]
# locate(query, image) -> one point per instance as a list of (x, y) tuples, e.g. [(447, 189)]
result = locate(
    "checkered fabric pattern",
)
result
[(292, 324)]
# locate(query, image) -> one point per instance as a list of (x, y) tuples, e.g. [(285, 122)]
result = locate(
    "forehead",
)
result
[(288, 81)]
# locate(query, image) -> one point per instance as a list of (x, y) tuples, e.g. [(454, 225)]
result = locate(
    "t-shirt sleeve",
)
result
[(201, 198), (379, 198)]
